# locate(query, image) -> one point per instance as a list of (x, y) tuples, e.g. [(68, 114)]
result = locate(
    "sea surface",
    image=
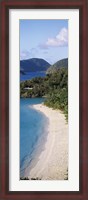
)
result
[(32, 131), (30, 75)]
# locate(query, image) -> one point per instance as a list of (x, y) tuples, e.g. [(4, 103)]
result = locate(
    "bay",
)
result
[(32, 131), (30, 75)]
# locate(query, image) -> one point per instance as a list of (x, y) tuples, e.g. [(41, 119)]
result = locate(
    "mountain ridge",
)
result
[(34, 65)]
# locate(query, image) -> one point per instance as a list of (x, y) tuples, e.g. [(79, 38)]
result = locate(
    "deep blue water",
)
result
[(30, 75), (32, 128)]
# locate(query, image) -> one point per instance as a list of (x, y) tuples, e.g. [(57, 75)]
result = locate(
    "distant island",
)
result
[(54, 86), (34, 65)]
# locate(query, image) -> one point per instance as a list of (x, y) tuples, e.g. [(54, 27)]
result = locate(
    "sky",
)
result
[(47, 39)]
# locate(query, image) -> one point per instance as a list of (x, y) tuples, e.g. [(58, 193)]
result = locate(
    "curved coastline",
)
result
[(39, 145), (51, 163), (32, 131)]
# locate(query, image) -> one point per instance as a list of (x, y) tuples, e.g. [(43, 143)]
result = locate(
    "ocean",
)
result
[(32, 131), (30, 75)]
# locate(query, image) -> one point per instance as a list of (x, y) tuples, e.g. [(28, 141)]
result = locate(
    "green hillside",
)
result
[(53, 86), (58, 65)]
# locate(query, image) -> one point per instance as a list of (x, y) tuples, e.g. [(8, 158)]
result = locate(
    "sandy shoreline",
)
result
[(52, 163)]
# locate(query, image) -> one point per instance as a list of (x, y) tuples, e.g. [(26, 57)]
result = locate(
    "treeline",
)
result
[(54, 86)]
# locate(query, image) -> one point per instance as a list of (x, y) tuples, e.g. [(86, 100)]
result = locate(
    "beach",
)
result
[(52, 162)]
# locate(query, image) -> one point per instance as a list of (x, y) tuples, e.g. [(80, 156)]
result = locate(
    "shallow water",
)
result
[(32, 131)]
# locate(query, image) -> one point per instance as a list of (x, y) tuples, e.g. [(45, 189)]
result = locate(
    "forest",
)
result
[(54, 87)]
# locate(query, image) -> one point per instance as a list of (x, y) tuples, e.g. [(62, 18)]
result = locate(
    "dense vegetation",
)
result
[(54, 86)]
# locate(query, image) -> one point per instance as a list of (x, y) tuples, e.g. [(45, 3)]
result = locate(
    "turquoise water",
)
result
[(32, 129)]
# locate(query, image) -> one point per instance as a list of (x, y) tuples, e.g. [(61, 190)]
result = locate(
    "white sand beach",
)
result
[(52, 163)]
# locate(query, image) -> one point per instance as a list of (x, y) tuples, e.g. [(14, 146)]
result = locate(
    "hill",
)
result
[(33, 65), (58, 65), (53, 86)]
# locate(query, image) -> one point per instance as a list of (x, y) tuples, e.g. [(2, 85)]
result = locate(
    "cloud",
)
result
[(43, 46), (60, 40), (24, 55), (28, 54)]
